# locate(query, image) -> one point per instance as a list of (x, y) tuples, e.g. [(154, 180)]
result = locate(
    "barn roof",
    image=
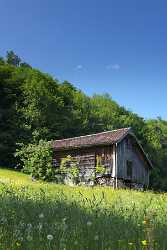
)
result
[(108, 137), (103, 138)]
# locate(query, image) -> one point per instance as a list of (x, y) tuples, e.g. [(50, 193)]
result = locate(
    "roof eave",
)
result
[(84, 146)]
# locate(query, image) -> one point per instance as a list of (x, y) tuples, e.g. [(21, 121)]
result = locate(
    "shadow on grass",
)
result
[(29, 222)]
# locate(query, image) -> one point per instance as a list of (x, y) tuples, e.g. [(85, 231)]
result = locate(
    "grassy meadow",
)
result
[(41, 216)]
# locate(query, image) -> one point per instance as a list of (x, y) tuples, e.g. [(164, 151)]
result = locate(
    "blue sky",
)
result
[(113, 46)]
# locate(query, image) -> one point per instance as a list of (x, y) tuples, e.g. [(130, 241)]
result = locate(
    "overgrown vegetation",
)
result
[(37, 160), (69, 167), (42, 216), (34, 106), (100, 169)]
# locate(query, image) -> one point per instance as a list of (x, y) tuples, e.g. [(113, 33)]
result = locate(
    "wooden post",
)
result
[(116, 166), (114, 173)]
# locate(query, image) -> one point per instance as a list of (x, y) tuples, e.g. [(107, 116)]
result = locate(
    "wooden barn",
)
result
[(119, 153)]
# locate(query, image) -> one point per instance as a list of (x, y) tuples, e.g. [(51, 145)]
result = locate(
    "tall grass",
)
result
[(48, 216)]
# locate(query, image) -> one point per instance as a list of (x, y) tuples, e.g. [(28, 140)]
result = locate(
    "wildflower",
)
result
[(145, 222), (18, 244), (64, 220), (29, 238), (96, 237), (130, 243), (22, 224), (89, 223), (41, 216), (17, 232), (3, 220), (20, 238), (50, 237), (39, 226), (144, 242), (29, 225)]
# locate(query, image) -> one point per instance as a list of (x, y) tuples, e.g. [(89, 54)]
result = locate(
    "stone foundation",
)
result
[(110, 181), (104, 181)]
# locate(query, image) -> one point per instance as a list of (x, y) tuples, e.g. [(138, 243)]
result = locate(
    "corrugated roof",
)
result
[(108, 137)]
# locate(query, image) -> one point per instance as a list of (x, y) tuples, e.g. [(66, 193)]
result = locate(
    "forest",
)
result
[(35, 106)]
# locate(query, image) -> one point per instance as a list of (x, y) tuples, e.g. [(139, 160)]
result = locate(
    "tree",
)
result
[(42, 105), (9, 93), (76, 110), (2, 61), (24, 64), (12, 58), (157, 146), (36, 159)]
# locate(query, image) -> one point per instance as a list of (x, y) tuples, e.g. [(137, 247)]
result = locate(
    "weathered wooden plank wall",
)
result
[(86, 157), (128, 151)]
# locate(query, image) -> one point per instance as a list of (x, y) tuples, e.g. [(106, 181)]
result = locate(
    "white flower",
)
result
[(3, 220), (29, 225), (64, 219), (17, 232), (89, 223), (40, 226), (41, 216), (29, 238), (50, 237), (20, 238), (22, 224), (96, 237)]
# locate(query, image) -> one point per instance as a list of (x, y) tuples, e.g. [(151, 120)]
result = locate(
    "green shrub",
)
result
[(36, 159), (65, 164), (74, 171), (69, 167), (100, 169)]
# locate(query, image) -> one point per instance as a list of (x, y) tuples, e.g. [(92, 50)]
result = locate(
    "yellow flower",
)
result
[(144, 242), (145, 222), (18, 244)]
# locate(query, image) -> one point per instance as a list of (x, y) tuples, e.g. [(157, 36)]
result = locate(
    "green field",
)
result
[(36, 215)]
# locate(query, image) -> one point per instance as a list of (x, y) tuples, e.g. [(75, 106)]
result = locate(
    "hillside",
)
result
[(37, 215), (35, 106)]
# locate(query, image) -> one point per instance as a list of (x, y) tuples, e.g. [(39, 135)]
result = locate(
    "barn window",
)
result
[(129, 165)]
